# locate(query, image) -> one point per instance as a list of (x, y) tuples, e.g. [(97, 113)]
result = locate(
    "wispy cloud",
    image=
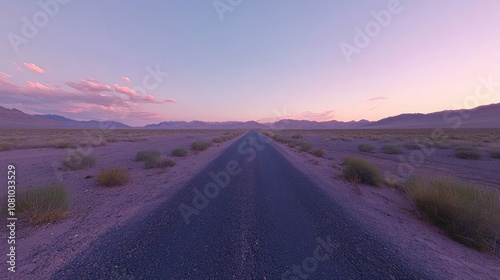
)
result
[(378, 98), (5, 75), (90, 85), (126, 90), (320, 117), (34, 68), (37, 86), (310, 116), (35, 92), (135, 96), (126, 80)]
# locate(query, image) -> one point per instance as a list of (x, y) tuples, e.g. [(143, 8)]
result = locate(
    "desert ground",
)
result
[(385, 211), (418, 151), (38, 156)]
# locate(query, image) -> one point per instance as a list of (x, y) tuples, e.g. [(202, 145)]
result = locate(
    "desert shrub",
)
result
[(200, 146), (297, 136), (268, 133), (98, 142), (158, 162), (305, 146), (76, 160), (45, 204), (65, 145), (179, 152), (467, 153), (367, 148), (280, 139), (495, 154), (146, 154), (5, 146), (135, 139), (219, 139), (391, 149), (164, 163), (412, 146), (318, 153), (112, 139), (113, 177), (468, 213), (359, 170)]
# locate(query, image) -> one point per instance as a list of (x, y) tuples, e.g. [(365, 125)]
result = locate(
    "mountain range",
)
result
[(487, 116)]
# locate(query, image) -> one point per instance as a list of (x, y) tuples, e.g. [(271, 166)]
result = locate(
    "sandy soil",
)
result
[(388, 213), (44, 249)]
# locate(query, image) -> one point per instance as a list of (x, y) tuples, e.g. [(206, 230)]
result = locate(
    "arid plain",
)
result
[(41, 159)]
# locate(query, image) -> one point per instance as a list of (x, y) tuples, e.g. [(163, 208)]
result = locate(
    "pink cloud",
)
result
[(34, 68), (320, 117), (126, 80), (37, 93), (87, 99), (5, 75), (5, 84), (37, 86), (134, 96), (90, 85), (73, 110), (378, 98), (126, 90), (311, 116)]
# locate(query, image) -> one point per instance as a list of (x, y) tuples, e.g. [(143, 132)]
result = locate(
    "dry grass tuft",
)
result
[(366, 148), (468, 153), (359, 170), (318, 153), (158, 162), (179, 152), (113, 177), (495, 154), (76, 160), (412, 146), (46, 204), (391, 150), (146, 154), (200, 146), (468, 213)]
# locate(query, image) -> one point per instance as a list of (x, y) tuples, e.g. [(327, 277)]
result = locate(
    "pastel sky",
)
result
[(143, 62)]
